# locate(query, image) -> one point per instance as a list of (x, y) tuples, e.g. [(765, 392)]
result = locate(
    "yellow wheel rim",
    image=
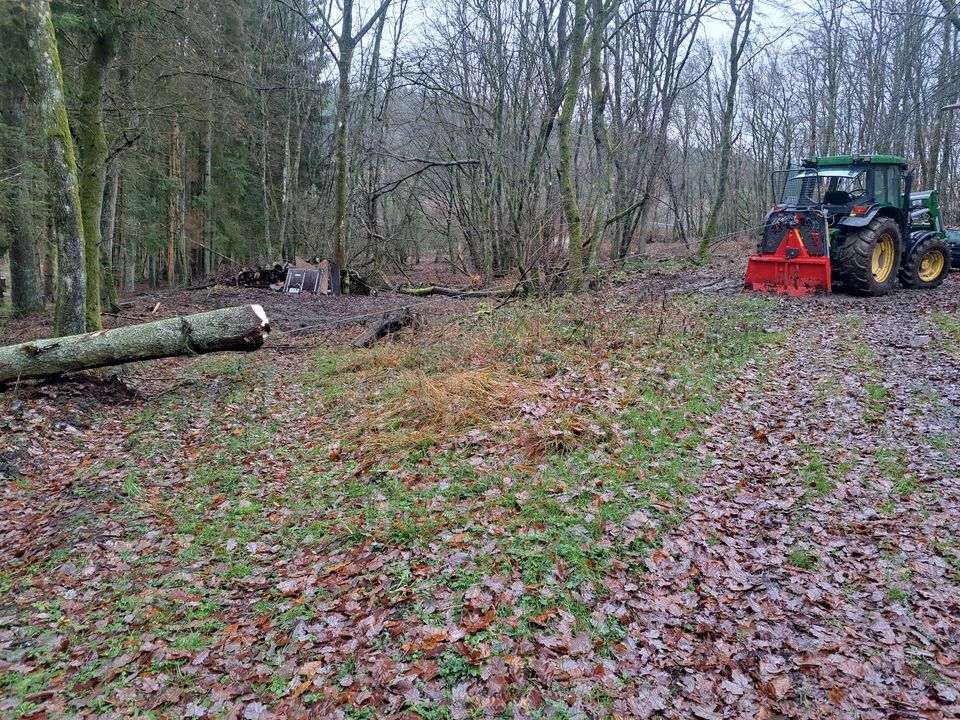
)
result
[(931, 266), (884, 253)]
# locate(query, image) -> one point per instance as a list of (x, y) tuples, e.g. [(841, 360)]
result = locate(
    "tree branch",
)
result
[(391, 186)]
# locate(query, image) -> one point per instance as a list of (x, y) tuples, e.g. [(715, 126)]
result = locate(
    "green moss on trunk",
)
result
[(26, 292), (93, 148), (571, 209), (69, 316)]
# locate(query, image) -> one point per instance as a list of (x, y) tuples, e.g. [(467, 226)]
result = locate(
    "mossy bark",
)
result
[(92, 143), (70, 313), (26, 292), (240, 328), (571, 209)]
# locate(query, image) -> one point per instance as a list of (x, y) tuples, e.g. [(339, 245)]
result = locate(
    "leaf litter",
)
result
[(614, 507)]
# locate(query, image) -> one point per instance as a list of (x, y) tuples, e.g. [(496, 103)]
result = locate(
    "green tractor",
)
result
[(850, 218)]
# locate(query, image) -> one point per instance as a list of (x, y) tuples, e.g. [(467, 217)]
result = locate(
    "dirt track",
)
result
[(820, 562)]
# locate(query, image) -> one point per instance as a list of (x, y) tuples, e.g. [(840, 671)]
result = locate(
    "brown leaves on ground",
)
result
[(173, 556)]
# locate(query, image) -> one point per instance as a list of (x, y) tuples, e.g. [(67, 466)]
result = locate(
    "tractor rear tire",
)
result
[(869, 258), (927, 266)]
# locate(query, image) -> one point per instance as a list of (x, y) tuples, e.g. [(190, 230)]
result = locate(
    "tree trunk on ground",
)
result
[(459, 293), (26, 291), (92, 146), (241, 328), (389, 322), (70, 314)]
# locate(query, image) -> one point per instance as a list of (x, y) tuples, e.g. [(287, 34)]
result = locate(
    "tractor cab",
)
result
[(850, 218)]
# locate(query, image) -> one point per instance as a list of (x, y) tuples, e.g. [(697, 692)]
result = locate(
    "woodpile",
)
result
[(262, 277)]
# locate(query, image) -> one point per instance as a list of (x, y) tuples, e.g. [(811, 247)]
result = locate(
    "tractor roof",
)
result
[(838, 160)]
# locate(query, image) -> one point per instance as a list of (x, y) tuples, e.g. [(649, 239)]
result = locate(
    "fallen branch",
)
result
[(240, 328), (458, 292), (712, 287), (389, 322)]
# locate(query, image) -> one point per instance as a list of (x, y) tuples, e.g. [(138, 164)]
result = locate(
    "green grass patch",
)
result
[(803, 558), (949, 324)]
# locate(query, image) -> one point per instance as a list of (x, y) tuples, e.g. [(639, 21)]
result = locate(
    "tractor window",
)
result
[(844, 186), (854, 186), (887, 182), (807, 186), (880, 185), (797, 187)]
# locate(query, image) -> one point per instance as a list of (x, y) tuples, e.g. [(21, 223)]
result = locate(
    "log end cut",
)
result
[(264, 321)]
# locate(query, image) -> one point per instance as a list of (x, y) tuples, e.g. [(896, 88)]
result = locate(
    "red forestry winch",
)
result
[(793, 258)]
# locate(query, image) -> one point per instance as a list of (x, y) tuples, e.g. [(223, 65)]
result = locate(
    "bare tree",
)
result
[(742, 11), (571, 209)]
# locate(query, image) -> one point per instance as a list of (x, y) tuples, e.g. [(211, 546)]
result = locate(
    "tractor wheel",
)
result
[(927, 266), (869, 258)]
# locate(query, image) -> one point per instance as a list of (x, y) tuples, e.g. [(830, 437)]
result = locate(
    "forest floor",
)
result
[(647, 501)]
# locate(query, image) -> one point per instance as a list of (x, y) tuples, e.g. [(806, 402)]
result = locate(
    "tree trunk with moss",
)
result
[(92, 145), (70, 313), (26, 293), (571, 210), (241, 328)]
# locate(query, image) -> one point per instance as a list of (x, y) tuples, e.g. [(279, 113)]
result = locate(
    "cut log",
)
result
[(389, 322), (240, 328)]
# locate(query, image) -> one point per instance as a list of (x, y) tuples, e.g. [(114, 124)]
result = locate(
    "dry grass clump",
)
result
[(431, 408), (458, 400)]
